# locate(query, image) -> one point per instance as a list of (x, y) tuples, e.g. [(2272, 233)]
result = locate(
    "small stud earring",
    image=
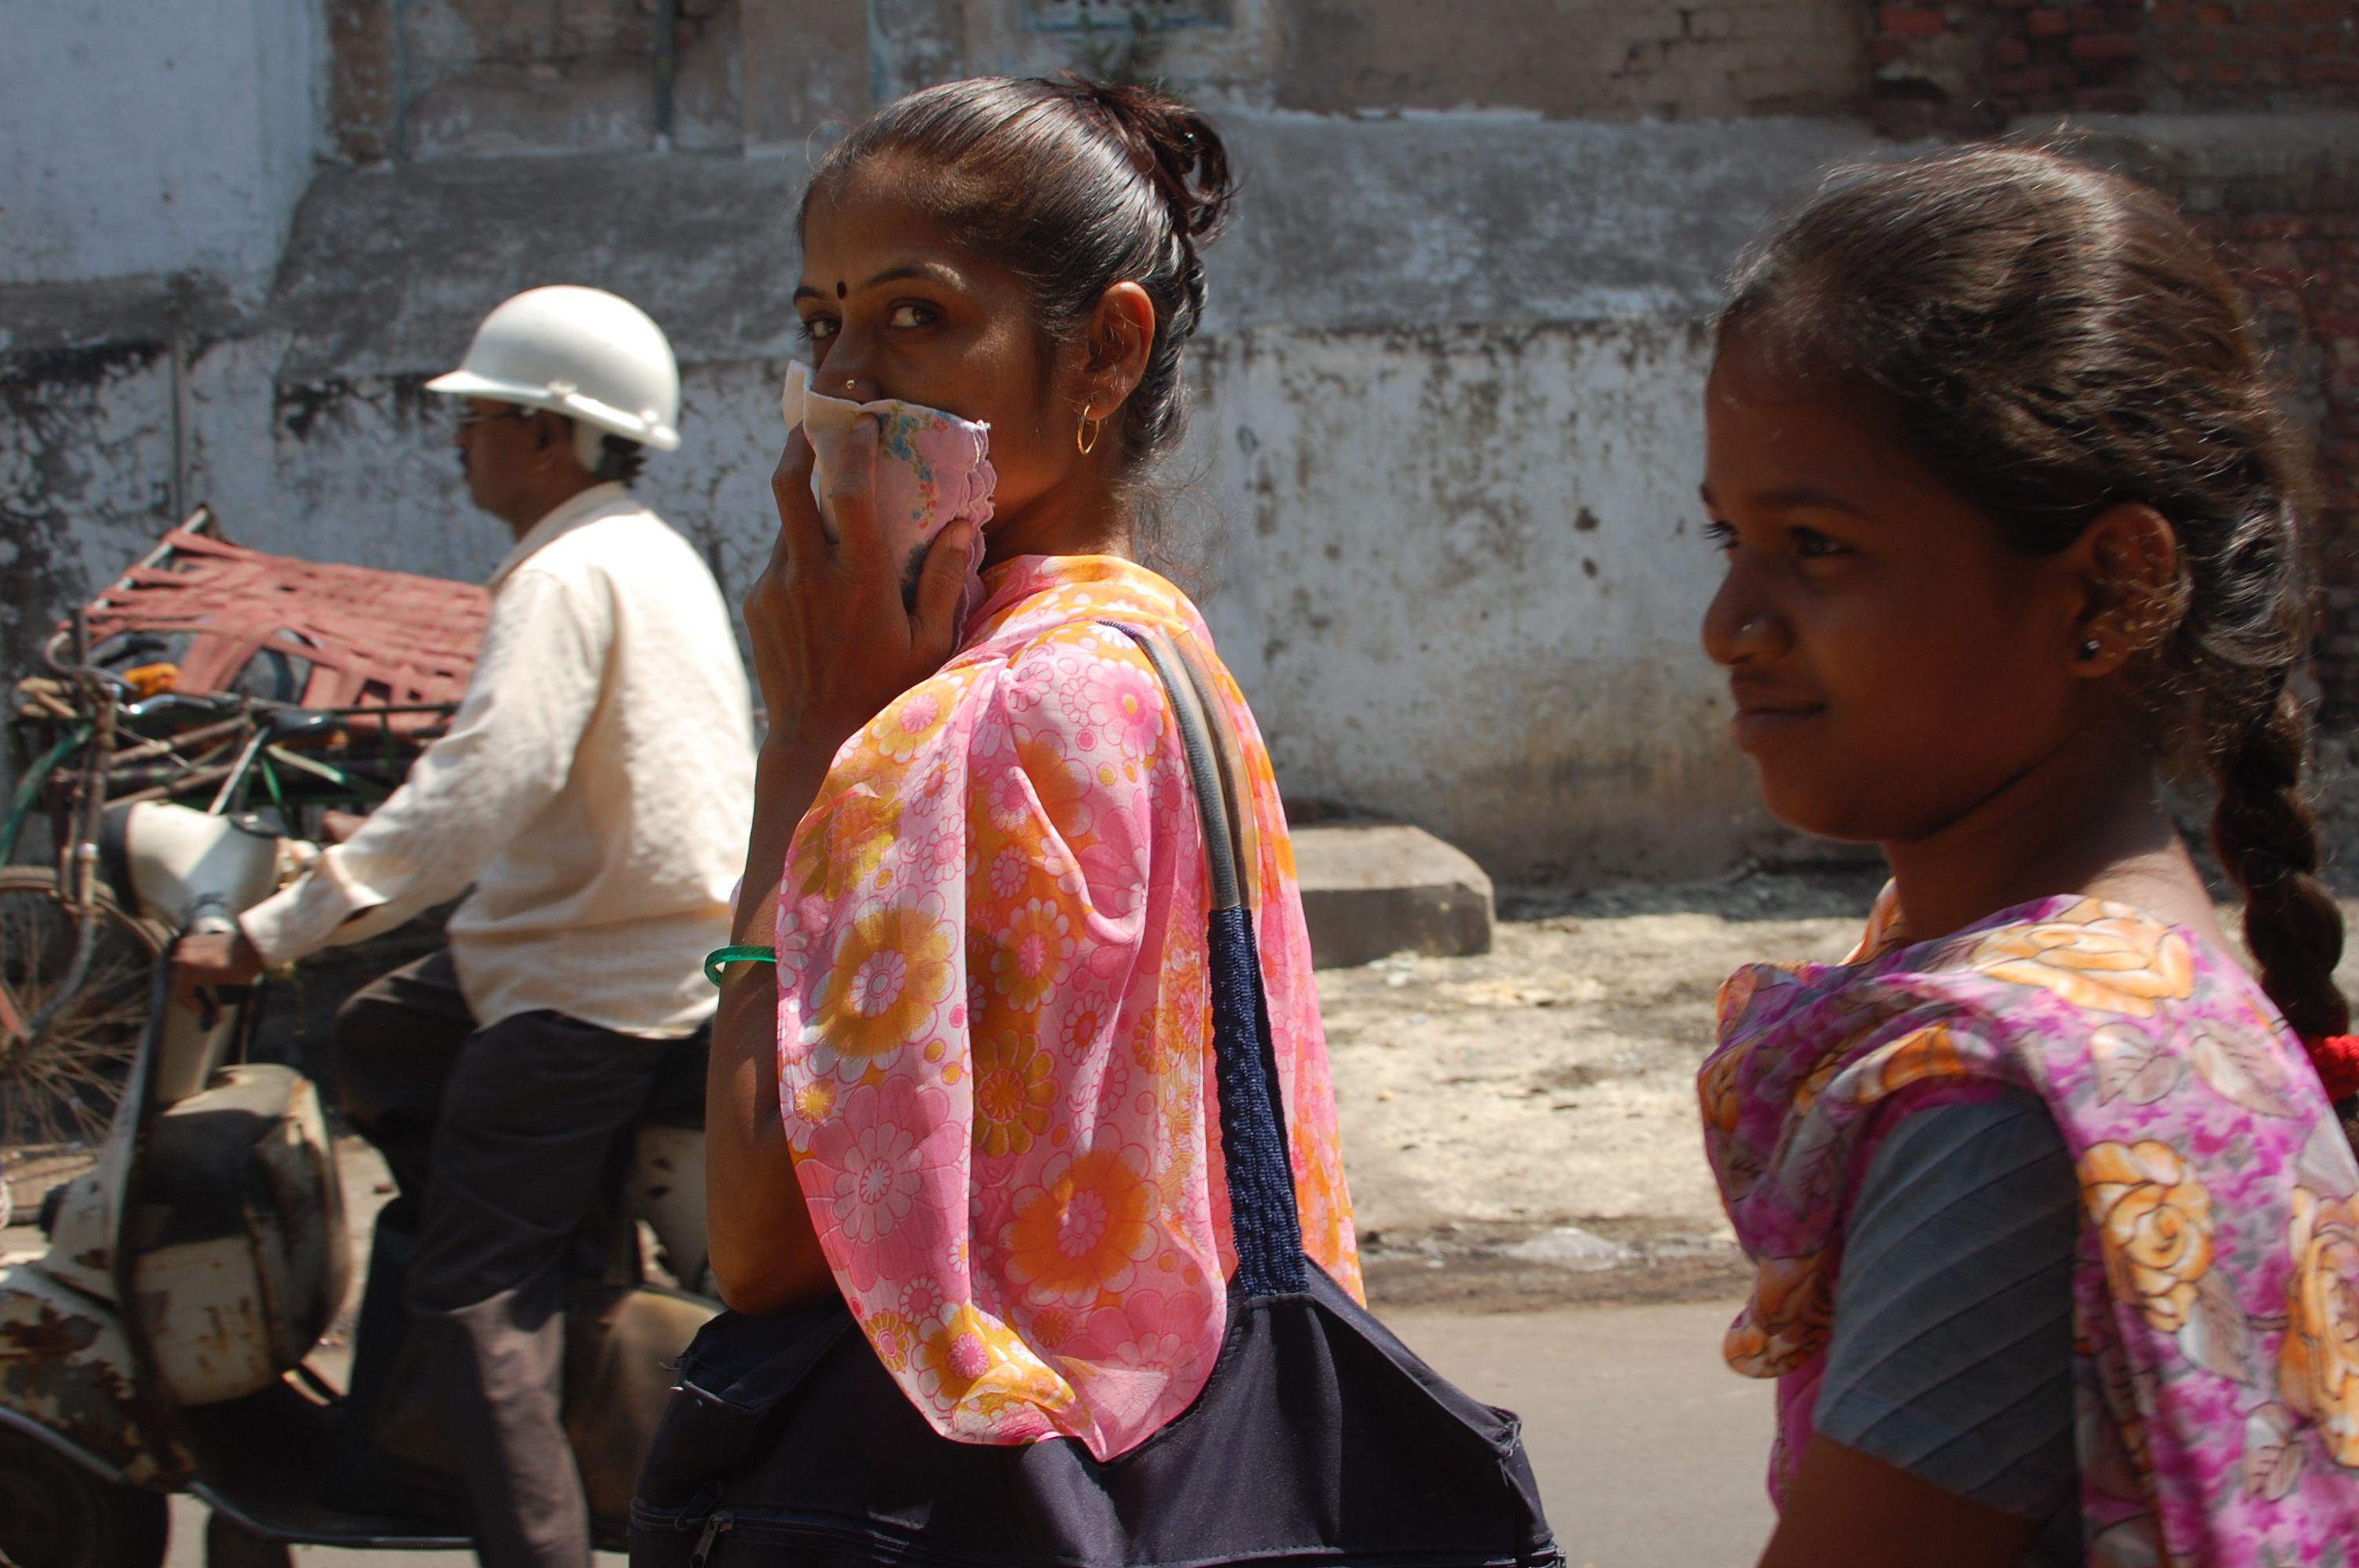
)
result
[(2090, 651)]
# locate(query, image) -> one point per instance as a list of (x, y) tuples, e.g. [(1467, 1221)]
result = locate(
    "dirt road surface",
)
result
[(1522, 1124)]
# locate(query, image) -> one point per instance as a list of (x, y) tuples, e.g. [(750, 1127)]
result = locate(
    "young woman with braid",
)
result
[(2054, 1218)]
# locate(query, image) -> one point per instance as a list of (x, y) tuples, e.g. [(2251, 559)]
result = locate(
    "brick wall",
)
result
[(2260, 54), (1971, 67), (2296, 246), (2287, 225), (361, 79)]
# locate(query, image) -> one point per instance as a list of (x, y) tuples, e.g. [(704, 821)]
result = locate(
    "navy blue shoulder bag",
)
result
[(1318, 1439)]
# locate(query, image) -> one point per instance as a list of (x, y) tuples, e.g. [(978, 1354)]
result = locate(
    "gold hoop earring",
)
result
[(1085, 435)]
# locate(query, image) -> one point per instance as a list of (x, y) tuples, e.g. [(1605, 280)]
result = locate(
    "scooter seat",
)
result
[(235, 1234), (197, 1166)]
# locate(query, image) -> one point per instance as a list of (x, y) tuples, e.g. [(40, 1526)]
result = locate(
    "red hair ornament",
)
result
[(2336, 1057)]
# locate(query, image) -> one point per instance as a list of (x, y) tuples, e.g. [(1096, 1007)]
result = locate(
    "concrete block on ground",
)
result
[(1374, 888)]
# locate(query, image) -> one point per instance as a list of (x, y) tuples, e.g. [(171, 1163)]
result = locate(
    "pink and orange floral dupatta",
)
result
[(2216, 1297), (993, 1024)]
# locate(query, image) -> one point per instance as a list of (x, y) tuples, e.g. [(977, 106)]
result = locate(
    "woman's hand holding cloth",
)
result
[(832, 642)]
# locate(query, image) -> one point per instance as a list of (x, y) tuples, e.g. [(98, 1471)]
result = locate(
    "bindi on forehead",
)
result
[(839, 289)]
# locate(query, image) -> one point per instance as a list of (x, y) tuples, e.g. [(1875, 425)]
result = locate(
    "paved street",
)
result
[(1649, 1451)]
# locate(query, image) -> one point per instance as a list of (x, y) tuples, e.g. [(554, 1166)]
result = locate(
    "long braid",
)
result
[(2266, 837)]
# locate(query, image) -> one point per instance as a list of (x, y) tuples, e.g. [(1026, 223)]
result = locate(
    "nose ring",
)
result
[(853, 383)]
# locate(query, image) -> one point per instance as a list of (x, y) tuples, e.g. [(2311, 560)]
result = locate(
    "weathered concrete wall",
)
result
[(153, 138), (85, 468), (1450, 422), (453, 78), (1443, 464), (1463, 582), (1454, 562), (1444, 455)]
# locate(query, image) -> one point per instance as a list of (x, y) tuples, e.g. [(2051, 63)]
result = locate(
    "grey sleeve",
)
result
[(1951, 1349)]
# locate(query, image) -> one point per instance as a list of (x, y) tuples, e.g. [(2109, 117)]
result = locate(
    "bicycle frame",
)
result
[(80, 773)]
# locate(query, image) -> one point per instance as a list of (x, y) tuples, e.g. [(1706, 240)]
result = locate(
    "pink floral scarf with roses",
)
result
[(2216, 1296), (995, 1031)]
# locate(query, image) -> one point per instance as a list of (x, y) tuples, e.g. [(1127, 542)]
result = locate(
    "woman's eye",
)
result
[(1811, 545), (911, 314), (819, 329), (1720, 535)]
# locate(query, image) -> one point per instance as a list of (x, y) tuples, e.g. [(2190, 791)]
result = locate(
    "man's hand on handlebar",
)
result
[(207, 959)]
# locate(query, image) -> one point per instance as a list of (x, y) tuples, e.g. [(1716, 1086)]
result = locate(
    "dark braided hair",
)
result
[(2054, 340), (1074, 186)]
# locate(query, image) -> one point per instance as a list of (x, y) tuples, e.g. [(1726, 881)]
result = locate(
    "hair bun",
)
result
[(1172, 145)]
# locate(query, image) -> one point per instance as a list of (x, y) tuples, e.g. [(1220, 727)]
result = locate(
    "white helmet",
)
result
[(589, 355)]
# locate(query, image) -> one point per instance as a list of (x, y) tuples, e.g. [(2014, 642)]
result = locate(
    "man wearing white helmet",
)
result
[(595, 789)]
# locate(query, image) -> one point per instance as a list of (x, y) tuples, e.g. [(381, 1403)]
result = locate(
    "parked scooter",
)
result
[(162, 1343)]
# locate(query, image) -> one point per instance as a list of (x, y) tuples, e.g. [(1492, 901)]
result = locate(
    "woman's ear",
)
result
[(1120, 336), (2127, 563)]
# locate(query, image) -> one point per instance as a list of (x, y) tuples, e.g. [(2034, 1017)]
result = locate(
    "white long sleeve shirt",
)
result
[(595, 786)]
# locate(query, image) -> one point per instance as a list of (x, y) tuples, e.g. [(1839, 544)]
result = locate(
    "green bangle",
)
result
[(721, 958)]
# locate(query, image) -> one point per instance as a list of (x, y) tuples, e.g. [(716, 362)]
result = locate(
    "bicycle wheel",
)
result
[(56, 1098)]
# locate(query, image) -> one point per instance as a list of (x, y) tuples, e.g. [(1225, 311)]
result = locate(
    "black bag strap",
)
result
[(1264, 1223)]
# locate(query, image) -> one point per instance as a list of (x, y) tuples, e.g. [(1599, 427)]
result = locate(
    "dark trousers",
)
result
[(508, 1141)]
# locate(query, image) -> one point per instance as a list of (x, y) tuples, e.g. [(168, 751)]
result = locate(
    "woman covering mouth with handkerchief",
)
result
[(930, 469), (972, 1096)]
